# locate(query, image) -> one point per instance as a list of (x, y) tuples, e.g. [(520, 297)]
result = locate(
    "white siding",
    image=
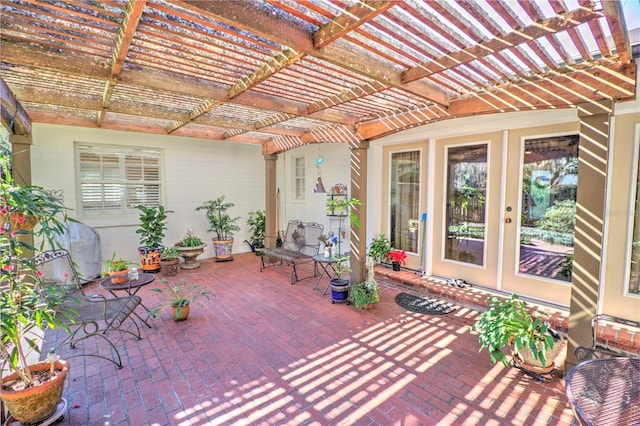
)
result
[(195, 170)]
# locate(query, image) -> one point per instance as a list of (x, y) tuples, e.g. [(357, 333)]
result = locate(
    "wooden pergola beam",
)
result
[(345, 96), (274, 65), (124, 37), (619, 32), (14, 117)]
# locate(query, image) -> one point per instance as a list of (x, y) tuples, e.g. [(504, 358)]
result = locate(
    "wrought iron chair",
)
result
[(91, 315)]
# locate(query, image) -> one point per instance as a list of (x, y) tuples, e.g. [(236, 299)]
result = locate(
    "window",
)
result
[(405, 200), (113, 180), (299, 176)]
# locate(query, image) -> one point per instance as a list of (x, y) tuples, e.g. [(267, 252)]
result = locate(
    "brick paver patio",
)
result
[(263, 351)]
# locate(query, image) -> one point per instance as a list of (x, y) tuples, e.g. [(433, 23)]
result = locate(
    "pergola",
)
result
[(285, 73)]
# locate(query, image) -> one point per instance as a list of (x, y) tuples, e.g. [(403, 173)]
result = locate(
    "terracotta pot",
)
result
[(150, 258), (180, 315), (37, 403), (118, 277), (169, 268)]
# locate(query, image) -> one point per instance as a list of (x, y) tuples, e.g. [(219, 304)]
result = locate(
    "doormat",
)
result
[(422, 305)]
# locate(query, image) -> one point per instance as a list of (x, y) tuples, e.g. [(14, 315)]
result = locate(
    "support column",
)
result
[(271, 201), (358, 236), (590, 217)]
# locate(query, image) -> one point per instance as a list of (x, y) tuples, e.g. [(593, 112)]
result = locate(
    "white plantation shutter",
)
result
[(113, 180)]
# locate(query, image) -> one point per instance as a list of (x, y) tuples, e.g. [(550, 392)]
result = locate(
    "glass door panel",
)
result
[(547, 219), (465, 203), (405, 200)]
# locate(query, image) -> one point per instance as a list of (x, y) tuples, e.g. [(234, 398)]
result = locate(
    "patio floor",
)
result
[(262, 351)]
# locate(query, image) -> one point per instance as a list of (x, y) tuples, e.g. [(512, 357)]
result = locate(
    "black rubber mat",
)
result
[(422, 305)]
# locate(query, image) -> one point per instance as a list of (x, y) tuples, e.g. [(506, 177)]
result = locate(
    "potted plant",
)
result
[(178, 296), (257, 230), (152, 227), (169, 261), (397, 258), (23, 305), (364, 294), (379, 247), (116, 268), (508, 322), (189, 248), (222, 225), (340, 282)]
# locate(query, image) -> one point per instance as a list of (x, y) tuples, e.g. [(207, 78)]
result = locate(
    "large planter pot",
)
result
[(223, 250), (339, 290), (180, 313), (169, 268), (526, 356), (37, 403), (150, 258), (189, 254)]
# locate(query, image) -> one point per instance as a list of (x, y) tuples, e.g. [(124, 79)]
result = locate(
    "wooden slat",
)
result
[(555, 24), (279, 29), (354, 16)]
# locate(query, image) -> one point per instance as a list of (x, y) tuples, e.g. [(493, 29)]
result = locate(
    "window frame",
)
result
[(122, 151), (299, 180)]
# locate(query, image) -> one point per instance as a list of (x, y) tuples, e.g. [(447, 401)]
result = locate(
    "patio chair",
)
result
[(93, 315), (601, 349)]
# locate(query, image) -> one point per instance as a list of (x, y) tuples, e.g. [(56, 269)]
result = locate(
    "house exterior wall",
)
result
[(194, 170), (511, 127)]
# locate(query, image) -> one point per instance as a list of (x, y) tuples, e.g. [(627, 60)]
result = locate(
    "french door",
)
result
[(505, 216)]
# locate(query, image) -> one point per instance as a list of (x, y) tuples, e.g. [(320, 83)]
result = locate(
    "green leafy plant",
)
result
[(508, 322), (257, 228), (379, 247), (220, 221), (115, 265), (364, 293), (152, 225), (26, 304), (169, 253), (341, 267), (177, 294), (190, 240)]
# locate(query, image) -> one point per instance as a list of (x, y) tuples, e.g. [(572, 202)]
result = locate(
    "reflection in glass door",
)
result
[(466, 195), (547, 218)]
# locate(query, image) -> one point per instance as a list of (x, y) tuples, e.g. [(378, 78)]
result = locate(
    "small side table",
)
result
[(131, 287), (326, 268)]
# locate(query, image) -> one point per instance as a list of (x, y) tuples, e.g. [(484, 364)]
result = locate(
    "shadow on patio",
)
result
[(262, 351)]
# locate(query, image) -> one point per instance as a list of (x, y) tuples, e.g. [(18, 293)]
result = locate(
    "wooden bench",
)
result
[(301, 242)]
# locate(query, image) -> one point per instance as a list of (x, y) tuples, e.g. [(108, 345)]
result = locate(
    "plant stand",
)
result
[(539, 374)]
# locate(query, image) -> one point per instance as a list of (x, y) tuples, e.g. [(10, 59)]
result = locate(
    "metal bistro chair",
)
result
[(93, 315)]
